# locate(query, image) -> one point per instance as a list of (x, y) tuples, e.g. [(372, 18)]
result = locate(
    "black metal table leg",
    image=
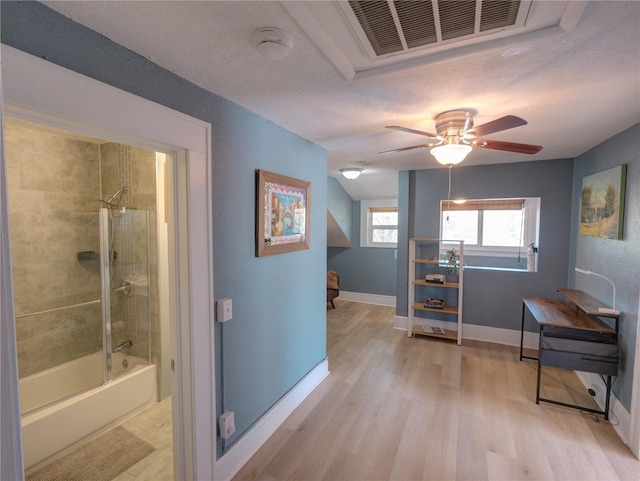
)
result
[(522, 356), (538, 385), (607, 399), (522, 332)]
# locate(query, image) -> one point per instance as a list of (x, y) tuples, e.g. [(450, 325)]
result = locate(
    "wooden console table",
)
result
[(572, 337)]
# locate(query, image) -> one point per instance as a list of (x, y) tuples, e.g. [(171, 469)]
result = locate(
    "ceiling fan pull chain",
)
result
[(449, 192)]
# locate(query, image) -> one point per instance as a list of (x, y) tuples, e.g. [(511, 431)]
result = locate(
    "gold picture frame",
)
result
[(602, 203), (283, 212)]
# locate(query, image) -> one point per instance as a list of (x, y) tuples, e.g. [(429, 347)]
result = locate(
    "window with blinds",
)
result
[(379, 223), (492, 227)]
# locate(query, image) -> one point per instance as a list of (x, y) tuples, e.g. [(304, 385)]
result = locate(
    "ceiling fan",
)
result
[(456, 136)]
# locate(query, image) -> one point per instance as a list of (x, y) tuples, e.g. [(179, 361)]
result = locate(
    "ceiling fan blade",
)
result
[(412, 131), (421, 146), (503, 123), (507, 146)]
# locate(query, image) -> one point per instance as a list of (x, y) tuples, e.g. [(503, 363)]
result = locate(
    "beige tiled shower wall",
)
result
[(54, 187)]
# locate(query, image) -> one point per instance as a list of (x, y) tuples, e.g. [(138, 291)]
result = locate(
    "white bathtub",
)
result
[(50, 431)]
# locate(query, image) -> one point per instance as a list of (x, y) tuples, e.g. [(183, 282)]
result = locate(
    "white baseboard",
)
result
[(496, 335), (618, 416), (377, 299), (231, 462)]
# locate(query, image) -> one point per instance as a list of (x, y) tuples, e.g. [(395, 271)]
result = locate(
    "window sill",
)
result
[(505, 269), (381, 246)]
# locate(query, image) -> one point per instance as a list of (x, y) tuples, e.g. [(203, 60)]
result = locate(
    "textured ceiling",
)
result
[(576, 86)]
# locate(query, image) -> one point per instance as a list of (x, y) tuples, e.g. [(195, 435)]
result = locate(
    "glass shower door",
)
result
[(125, 277)]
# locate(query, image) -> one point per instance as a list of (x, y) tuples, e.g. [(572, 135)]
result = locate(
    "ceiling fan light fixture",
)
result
[(451, 154), (456, 135), (351, 172)]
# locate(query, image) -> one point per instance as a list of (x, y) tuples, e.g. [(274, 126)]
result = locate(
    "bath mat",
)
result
[(102, 459)]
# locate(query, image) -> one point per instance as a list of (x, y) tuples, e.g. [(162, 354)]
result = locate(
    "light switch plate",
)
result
[(227, 424), (225, 309)]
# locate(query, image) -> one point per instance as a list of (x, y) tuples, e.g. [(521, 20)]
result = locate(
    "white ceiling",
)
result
[(575, 80)]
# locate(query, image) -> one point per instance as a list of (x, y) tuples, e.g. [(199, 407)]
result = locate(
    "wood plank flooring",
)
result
[(399, 408)]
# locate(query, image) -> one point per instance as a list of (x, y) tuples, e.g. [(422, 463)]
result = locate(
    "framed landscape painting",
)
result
[(283, 207), (602, 204)]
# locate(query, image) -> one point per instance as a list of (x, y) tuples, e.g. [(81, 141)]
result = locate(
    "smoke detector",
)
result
[(272, 43)]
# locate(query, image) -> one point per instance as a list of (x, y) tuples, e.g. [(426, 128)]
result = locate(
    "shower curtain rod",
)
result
[(59, 308)]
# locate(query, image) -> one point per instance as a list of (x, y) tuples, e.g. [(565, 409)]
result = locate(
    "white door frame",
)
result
[(37, 90), (11, 463), (634, 431)]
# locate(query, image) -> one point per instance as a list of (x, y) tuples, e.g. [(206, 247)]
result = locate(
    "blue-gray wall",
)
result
[(618, 260), (340, 204), (278, 331), (367, 270), (493, 298)]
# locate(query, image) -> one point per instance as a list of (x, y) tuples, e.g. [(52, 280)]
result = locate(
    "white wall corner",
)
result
[(231, 462), (401, 322)]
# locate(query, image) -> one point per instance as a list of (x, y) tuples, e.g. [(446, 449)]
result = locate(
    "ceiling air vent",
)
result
[(377, 21), (402, 25)]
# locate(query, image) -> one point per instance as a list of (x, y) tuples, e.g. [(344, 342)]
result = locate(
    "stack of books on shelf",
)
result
[(432, 330), (435, 278), (434, 303)]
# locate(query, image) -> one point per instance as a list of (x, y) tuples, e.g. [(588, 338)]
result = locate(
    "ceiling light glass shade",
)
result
[(351, 173), (450, 154)]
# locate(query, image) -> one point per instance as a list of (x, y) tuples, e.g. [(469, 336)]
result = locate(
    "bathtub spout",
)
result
[(123, 346)]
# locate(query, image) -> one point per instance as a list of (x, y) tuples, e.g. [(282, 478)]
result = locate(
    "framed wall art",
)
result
[(602, 204), (283, 208)]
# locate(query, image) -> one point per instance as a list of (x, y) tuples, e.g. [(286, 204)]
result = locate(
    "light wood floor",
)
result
[(395, 408)]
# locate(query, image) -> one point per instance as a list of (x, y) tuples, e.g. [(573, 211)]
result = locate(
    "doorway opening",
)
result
[(87, 107), (89, 237)]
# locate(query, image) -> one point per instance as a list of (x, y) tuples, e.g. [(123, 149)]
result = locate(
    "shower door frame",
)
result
[(107, 230), (90, 107), (105, 287)]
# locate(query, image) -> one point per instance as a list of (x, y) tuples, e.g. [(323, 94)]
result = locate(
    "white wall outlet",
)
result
[(225, 309), (227, 424)]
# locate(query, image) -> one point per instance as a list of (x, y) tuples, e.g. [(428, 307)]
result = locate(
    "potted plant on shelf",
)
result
[(452, 259)]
